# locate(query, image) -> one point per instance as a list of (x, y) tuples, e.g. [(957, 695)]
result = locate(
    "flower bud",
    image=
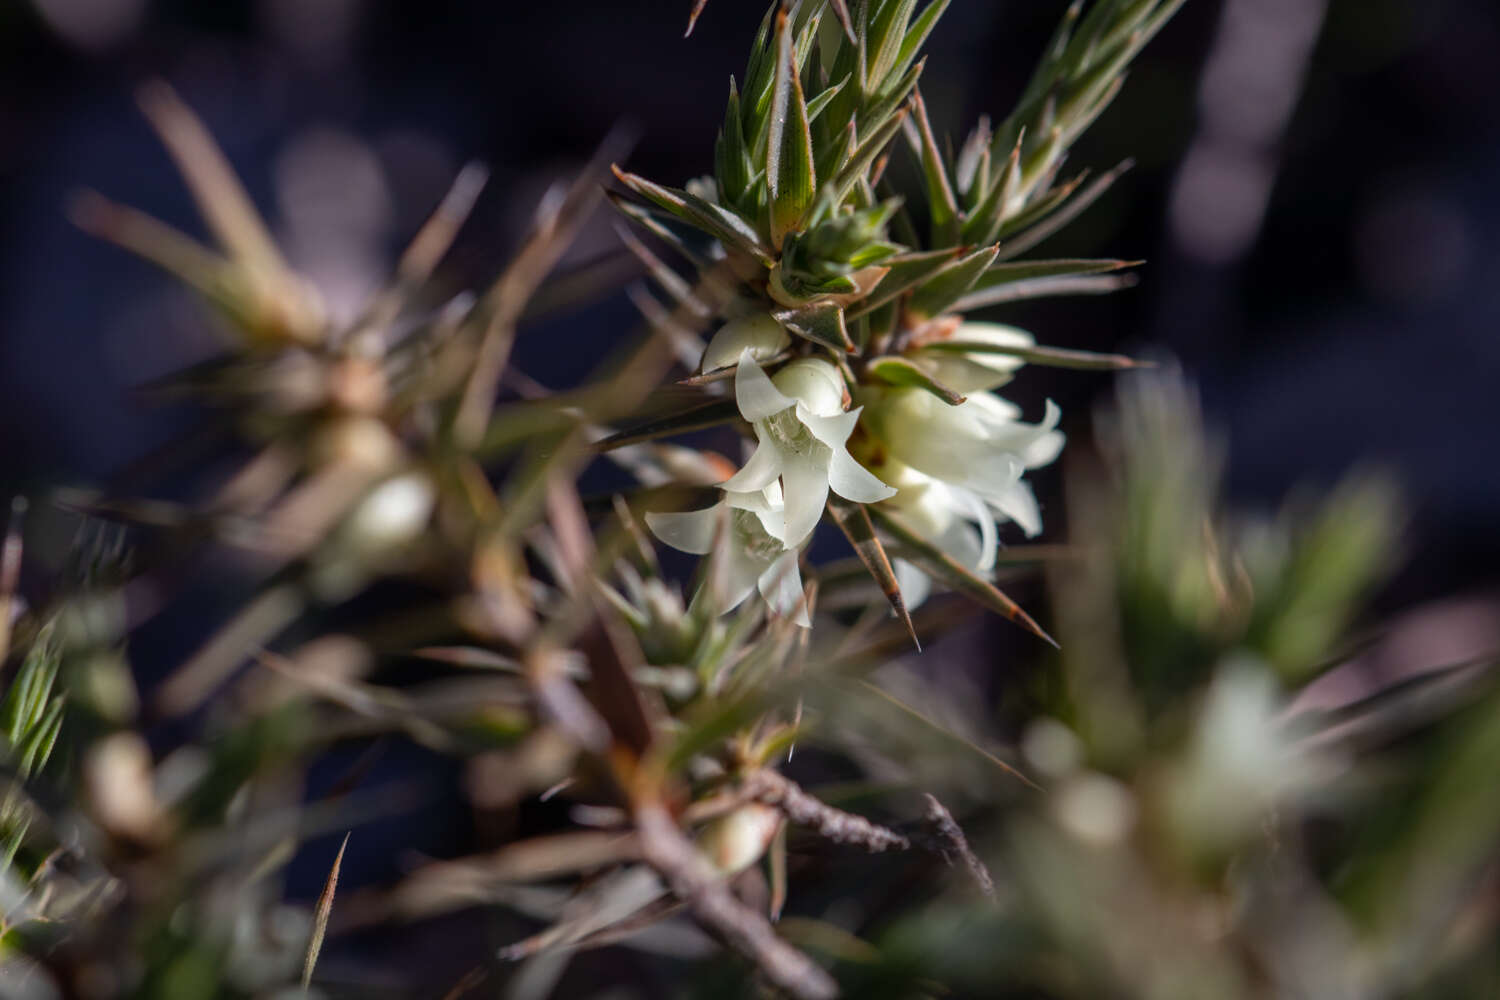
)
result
[(117, 777), (735, 841), (392, 514), (815, 384), (759, 333)]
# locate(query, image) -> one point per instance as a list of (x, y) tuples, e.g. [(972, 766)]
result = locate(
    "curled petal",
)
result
[(754, 392), (974, 509), (990, 475), (762, 469), (740, 578), (805, 482), (781, 586), (1018, 503), (832, 431), (1017, 437), (987, 408), (962, 542), (766, 508), (690, 531), (1044, 450), (853, 481)]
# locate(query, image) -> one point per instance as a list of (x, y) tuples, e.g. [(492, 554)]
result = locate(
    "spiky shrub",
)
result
[(561, 662)]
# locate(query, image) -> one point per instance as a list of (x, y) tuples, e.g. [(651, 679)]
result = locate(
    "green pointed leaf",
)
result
[(1010, 272), (726, 227), (846, 23), (1039, 166), (887, 32), (950, 284), (816, 106), (830, 158), (941, 202), (942, 567), (710, 414), (1052, 357), (855, 168), (12, 846), (985, 220), (895, 370), (1018, 216), (906, 272), (36, 746), (661, 225), (822, 324), (1085, 41), (1043, 288), (733, 168), (807, 18), (886, 103), (971, 172), (26, 700), (789, 156), (1049, 218), (854, 521), (755, 102), (916, 35)]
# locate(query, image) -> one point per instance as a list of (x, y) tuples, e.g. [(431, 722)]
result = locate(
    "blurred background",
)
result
[(1313, 191)]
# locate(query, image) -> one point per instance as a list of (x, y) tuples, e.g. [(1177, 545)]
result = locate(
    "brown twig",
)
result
[(942, 835), (667, 849), (946, 838), (772, 789)]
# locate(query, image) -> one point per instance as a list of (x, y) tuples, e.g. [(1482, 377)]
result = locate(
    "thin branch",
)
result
[(667, 849), (772, 789), (947, 839)]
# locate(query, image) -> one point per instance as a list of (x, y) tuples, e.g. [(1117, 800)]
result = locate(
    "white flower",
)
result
[(974, 371), (757, 559), (956, 469), (760, 334), (980, 445), (952, 518), (802, 431)]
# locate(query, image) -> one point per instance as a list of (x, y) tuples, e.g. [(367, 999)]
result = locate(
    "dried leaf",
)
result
[(854, 520), (320, 915), (950, 571)]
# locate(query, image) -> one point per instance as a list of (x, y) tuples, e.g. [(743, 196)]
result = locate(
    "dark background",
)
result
[(1315, 191), (1356, 323)]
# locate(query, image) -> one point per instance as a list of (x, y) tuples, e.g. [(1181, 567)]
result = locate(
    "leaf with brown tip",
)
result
[(854, 521), (320, 915), (1052, 357), (693, 17), (943, 567)]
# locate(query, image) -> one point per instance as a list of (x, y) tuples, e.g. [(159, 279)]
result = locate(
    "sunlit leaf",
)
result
[(943, 567)]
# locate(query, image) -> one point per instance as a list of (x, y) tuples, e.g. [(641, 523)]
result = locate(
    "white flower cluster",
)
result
[(951, 471)]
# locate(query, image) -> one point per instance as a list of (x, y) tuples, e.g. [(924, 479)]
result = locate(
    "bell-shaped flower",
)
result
[(802, 432), (953, 519), (756, 558), (980, 445), (758, 333), (973, 371)]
